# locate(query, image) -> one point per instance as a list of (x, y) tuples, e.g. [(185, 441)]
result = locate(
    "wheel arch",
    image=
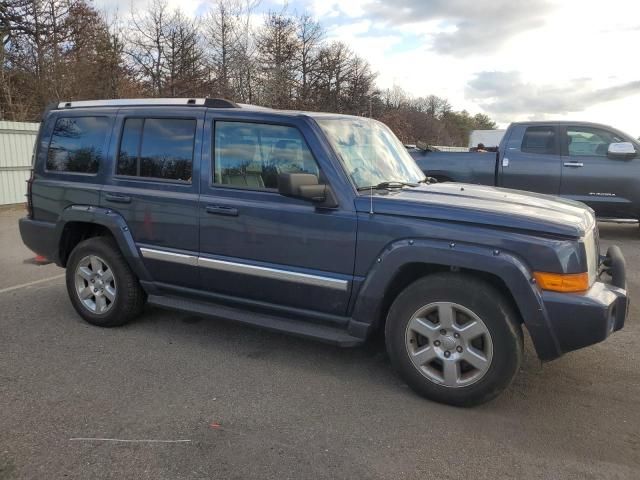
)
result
[(411, 272), (403, 262), (78, 222), (74, 232)]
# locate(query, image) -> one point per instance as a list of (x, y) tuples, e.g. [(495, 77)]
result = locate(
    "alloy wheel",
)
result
[(95, 284), (449, 344)]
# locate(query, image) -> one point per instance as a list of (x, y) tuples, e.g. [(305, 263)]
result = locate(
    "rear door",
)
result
[(531, 160), (590, 176), (156, 157)]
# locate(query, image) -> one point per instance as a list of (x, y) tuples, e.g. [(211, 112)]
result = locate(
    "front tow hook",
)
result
[(614, 265)]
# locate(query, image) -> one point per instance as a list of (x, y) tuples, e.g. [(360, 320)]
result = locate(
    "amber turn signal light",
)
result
[(562, 282)]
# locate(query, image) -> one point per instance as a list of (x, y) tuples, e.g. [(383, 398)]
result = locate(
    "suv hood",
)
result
[(478, 204)]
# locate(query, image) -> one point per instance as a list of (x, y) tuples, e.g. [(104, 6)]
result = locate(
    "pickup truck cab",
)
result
[(317, 225), (588, 162)]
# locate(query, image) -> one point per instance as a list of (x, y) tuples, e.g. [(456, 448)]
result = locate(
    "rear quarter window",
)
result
[(541, 140), (76, 144)]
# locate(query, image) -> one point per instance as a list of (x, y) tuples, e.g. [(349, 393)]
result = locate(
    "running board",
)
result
[(618, 220), (300, 328)]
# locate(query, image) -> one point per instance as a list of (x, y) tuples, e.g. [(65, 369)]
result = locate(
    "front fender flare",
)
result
[(512, 270)]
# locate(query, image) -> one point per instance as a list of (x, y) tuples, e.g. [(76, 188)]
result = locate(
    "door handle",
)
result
[(221, 210), (115, 198), (574, 164)]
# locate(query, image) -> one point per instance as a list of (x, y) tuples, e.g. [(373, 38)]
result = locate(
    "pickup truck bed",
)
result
[(570, 159), (465, 167)]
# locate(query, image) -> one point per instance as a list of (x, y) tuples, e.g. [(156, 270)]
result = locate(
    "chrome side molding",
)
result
[(172, 257), (245, 269), (618, 220)]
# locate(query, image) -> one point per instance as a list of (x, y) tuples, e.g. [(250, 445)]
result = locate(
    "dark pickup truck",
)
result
[(588, 162), (317, 225)]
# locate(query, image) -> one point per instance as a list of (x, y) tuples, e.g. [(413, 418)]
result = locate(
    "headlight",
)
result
[(576, 282), (592, 253)]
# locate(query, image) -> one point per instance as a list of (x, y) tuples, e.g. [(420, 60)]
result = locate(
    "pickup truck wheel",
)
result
[(454, 339), (101, 286)]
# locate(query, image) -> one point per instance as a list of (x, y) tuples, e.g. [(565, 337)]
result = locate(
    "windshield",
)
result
[(370, 152)]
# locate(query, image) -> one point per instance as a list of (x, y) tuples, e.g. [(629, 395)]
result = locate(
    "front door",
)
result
[(152, 187), (259, 245), (590, 176)]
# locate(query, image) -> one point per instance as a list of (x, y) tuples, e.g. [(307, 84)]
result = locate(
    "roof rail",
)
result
[(144, 102)]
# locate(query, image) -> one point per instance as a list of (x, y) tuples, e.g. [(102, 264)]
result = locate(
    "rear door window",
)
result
[(541, 140), (159, 148), (76, 144)]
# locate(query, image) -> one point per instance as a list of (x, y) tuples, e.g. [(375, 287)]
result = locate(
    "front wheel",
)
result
[(454, 339)]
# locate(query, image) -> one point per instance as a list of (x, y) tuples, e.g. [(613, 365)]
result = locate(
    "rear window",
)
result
[(539, 140), (76, 144), (157, 148)]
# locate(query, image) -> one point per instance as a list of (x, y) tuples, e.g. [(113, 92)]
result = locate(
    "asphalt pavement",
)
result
[(176, 396)]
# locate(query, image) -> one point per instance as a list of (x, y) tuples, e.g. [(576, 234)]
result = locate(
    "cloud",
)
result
[(506, 95), (468, 26), (124, 7)]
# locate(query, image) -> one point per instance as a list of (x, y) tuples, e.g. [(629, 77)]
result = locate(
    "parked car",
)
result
[(318, 225), (588, 162)]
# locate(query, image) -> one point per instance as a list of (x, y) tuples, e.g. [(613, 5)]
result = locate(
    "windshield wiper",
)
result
[(388, 185)]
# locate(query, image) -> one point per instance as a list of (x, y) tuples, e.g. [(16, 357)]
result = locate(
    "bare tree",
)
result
[(310, 36), (166, 53), (222, 33), (359, 87), (54, 49), (184, 66), (334, 72), (277, 45), (145, 45)]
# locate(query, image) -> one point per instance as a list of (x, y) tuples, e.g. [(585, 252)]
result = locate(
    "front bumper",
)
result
[(580, 320)]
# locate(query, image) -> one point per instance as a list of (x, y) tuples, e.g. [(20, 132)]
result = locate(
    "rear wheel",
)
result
[(454, 339), (101, 286)]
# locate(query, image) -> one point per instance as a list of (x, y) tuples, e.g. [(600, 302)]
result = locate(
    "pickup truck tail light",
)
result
[(563, 282)]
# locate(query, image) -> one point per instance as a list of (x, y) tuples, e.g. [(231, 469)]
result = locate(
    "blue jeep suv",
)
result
[(319, 225)]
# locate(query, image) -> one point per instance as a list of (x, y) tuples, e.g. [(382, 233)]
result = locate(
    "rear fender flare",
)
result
[(116, 224)]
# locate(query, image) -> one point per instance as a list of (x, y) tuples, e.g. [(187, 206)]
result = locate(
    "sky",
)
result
[(511, 59)]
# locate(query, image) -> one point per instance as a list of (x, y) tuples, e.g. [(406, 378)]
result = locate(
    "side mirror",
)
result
[(622, 150), (423, 146), (306, 187)]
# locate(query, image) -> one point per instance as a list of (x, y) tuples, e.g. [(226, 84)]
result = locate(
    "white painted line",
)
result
[(125, 440), (28, 284)]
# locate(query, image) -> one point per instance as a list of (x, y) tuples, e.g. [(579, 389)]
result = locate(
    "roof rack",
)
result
[(143, 102)]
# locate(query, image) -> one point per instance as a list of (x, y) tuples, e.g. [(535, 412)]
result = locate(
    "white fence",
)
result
[(16, 147)]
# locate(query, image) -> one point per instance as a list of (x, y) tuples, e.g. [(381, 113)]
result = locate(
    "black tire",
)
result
[(129, 299), (483, 300)]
